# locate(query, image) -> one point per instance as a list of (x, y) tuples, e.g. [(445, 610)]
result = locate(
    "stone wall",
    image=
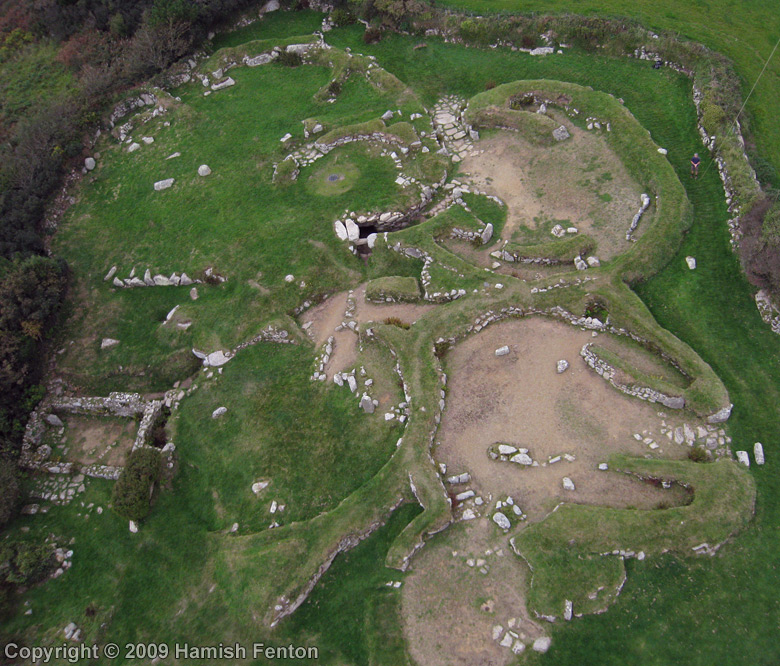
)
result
[(602, 368)]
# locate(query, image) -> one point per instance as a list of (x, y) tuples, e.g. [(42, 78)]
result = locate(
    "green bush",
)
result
[(697, 454), (131, 498), (290, 59), (9, 490), (342, 17), (24, 562)]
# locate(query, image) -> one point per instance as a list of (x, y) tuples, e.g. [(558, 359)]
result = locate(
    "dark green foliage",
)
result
[(9, 490), (697, 454), (290, 59), (132, 493), (24, 562), (372, 35), (30, 293), (341, 17)]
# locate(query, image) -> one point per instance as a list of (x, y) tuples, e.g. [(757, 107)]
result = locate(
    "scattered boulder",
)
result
[(603, 467), (542, 644), (259, 486), (164, 184), (561, 366), (542, 50), (110, 274), (204, 170), (561, 133), (341, 230), (367, 404), (133, 527), (387, 116), (487, 233), (568, 610), (56, 421), (501, 520), (506, 449), (663, 151), (219, 411), (568, 484), (593, 262), (108, 342), (223, 84), (742, 457), (580, 264), (133, 147), (194, 293), (758, 453), (90, 163), (217, 358), (353, 231), (691, 261), (522, 459), (502, 351)]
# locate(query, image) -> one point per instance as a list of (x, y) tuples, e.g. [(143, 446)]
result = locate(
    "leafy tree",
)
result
[(131, 497), (9, 490)]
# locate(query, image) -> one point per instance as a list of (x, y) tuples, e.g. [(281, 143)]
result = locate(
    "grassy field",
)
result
[(184, 575)]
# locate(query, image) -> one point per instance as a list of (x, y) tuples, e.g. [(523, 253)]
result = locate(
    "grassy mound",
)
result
[(400, 289)]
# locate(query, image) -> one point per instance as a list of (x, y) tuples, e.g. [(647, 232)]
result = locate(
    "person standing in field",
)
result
[(695, 162)]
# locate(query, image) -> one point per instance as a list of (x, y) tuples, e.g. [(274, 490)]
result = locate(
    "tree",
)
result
[(9, 490), (132, 493)]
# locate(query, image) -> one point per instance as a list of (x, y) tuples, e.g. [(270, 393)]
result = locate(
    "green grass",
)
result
[(32, 77), (396, 287), (275, 25), (724, 494), (368, 627)]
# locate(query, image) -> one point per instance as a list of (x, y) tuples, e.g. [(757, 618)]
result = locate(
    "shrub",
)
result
[(697, 454), (290, 59), (9, 490), (372, 35), (24, 562), (395, 321), (489, 85), (132, 493), (334, 88), (341, 17), (596, 307)]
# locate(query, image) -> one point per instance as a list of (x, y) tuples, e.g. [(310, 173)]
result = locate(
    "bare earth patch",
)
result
[(579, 183), (520, 399), (102, 440), (330, 314)]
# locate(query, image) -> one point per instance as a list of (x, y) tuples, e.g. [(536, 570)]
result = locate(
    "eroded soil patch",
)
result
[(577, 183), (329, 315)]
